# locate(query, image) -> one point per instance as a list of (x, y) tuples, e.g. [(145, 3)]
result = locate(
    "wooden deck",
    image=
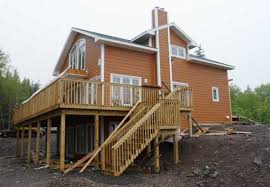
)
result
[(149, 114), (67, 93)]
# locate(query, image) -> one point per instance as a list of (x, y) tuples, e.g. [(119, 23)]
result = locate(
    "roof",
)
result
[(99, 38), (174, 27), (209, 62)]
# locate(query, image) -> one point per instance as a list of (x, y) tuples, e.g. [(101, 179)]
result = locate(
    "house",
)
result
[(112, 98)]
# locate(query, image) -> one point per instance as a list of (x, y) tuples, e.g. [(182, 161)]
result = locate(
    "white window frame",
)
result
[(179, 48), (76, 49), (217, 91), (180, 84), (121, 89)]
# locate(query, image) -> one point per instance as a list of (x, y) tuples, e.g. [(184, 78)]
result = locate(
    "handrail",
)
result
[(142, 133), (110, 137), (136, 126), (164, 84), (78, 93)]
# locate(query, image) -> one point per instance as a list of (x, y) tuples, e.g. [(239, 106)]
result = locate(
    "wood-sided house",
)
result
[(112, 97)]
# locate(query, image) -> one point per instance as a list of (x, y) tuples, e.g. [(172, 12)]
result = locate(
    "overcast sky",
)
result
[(235, 32)]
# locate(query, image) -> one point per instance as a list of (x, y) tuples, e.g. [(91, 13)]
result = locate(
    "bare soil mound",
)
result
[(231, 160)]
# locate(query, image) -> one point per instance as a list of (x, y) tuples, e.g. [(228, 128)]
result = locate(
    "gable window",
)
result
[(77, 55), (215, 94), (179, 52)]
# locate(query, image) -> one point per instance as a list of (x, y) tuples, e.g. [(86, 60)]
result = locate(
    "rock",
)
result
[(206, 171), (196, 171), (214, 174), (258, 161)]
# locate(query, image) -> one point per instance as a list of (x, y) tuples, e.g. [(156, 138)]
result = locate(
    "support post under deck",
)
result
[(97, 135), (17, 141), (22, 143), (156, 154), (48, 151), (37, 142), (29, 143), (190, 124), (62, 141), (175, 149)]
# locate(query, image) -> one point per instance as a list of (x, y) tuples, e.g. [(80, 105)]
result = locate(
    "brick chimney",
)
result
[(159, 17)]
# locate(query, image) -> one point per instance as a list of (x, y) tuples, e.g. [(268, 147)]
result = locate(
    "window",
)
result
[(179, 84), (215, 94), (125, 95), (178, 52), (77, 55)]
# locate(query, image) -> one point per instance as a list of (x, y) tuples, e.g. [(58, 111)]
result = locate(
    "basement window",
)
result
[(179, 52), (215, 94)]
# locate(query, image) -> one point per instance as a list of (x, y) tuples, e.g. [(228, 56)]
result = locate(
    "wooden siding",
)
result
[(164, 57), (201, 79), (162, 17), (92, 56), (128, 62)]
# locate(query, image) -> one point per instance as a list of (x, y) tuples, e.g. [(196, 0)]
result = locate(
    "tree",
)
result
[(13, 90), (254, 104), (200, 51)]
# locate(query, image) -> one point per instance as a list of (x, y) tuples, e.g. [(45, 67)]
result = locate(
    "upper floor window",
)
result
[(215, 94), (77, 55), (179, 52)]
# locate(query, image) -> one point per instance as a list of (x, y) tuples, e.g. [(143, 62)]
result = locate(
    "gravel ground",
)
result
[(233, 160)]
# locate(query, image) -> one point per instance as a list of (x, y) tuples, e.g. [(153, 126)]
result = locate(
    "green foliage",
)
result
[(13, 90), (253, 104)]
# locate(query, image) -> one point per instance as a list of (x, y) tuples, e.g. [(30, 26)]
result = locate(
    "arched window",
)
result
[(77, 55)]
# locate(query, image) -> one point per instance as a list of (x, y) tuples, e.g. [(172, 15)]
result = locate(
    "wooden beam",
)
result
[(175, 149), (190, 124), (62, 141), (22, 143), (37, 142), (103, 158), (17, 141), (29, 143), (97, 135), (48, 151), (156, 154)]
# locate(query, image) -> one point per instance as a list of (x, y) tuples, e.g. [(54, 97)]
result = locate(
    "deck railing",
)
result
[(84, 94)]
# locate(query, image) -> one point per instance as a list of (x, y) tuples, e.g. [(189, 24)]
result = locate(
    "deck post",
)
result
[(17, 141), (190, 124), (37, 142), (22, 142), (175, 149), (97, 135), (103, 158), (29, 143), (48, 151), (156, 154), (62, 141)]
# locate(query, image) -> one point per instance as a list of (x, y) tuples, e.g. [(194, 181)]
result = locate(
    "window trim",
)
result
[(126, 76), (76, 48), (177, 56), (218, 96), (184, 84)]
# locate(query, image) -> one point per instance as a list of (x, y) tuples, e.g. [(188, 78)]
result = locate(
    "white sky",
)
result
[(232, 31)]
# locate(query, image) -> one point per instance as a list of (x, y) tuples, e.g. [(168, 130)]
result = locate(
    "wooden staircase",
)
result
[(136, 131)]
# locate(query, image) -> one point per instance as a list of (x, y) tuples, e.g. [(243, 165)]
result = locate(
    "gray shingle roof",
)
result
[(106, 36)]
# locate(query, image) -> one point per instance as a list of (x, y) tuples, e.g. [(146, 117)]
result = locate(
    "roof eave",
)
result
[(210, 63), (126, 45)]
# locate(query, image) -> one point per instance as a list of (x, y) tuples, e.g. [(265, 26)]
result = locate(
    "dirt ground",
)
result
[(231, 160)]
